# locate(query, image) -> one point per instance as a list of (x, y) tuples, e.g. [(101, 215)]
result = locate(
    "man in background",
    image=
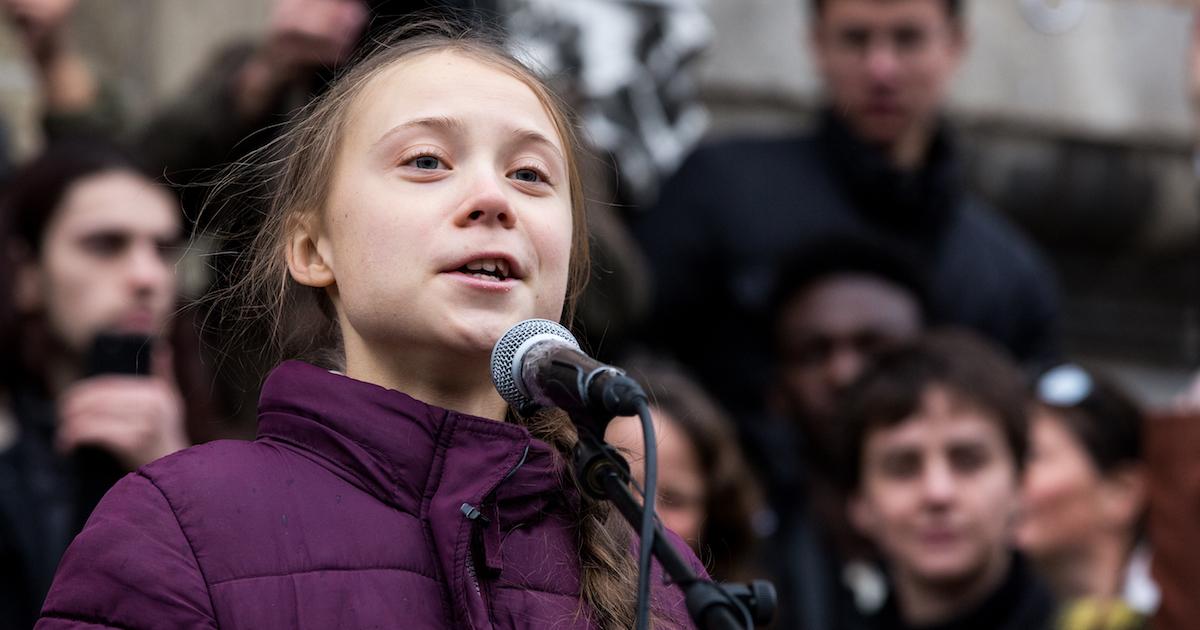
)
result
[(881, 164)]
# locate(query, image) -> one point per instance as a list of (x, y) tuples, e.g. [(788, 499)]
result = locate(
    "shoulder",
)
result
[(740, 152), (984, 230), (739, 172), (131, 566), (213, 465), (668, 597)]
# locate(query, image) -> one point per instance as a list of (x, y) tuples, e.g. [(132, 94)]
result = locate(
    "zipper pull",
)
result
[(473, 514)]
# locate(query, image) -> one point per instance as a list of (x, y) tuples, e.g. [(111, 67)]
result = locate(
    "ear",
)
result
[(1123, 495), (309, 259)]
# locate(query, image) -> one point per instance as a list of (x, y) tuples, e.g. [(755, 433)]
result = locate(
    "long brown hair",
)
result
[(732, 498), (263, 306)]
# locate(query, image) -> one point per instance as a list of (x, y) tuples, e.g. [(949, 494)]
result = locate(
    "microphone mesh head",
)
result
[(506, 362)]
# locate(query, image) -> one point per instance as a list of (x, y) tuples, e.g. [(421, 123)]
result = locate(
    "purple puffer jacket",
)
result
[(348, 511)]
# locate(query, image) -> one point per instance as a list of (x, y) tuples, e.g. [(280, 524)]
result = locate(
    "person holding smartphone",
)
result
[(87, 390)]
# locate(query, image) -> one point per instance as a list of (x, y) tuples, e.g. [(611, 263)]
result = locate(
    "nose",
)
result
[(882, 62), (844, 366), (486, 204), (938, 483), (146, 270)]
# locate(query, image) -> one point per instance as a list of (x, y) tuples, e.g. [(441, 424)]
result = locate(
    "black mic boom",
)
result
[(538, 363)]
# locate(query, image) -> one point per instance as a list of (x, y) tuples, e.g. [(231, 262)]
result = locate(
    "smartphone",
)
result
[(120, 353), (95, 469)]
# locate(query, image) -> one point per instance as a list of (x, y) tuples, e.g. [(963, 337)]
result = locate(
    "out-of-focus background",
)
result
[(1077, 126)]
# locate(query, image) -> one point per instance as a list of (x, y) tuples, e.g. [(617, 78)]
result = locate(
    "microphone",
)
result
[(538, 364)]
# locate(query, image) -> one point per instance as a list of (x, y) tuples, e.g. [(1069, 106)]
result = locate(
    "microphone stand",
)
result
[(604, 475)]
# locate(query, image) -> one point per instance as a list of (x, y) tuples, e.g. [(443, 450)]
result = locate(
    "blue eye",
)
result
[(427, 162), (527, 175)]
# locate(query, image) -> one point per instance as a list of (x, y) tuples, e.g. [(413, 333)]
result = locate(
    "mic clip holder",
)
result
[(603, 474)]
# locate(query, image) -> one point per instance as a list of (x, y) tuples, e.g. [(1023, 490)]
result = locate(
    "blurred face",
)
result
[(317, 32), (681, 492), (108, 260), (887, 63), (937, 493), (449, 217), (830, 332), (1063, 492)]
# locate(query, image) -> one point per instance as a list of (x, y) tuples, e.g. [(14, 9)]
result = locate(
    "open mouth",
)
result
[(491, 269)]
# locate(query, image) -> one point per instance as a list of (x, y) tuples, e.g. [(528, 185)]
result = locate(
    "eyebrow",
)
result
[(436, 123), (448, 124)]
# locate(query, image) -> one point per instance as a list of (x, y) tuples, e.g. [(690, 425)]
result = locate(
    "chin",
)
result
[(945, 571), (479, 333)]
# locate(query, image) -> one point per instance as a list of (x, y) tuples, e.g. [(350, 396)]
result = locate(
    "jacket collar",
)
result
[(921, 201), (390, 444)]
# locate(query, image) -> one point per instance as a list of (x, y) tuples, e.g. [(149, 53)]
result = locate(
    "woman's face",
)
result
[(449, 217), (1062, 492), (108, 260), (681, 488)]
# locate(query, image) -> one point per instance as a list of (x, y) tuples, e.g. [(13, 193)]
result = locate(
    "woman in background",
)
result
[(706, 493), (1085, 500)]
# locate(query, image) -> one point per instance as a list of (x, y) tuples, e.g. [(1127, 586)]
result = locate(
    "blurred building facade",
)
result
[(1077, 126)]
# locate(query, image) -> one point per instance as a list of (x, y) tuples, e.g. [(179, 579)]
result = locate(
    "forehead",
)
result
[(942, 421), (448, 84), (116, 201), (852, 303), (884, 12)]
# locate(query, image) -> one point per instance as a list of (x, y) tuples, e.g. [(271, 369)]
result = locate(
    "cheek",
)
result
[(684, 521), (996, 504), (1054, 484), (895, 505), (81, 298), (552, 238)]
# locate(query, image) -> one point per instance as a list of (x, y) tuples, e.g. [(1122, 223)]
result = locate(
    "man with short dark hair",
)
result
[(880, 164), (937, 443), (836, 307)]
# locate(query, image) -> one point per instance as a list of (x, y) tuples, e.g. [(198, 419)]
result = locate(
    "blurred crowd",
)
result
[(855, 362)]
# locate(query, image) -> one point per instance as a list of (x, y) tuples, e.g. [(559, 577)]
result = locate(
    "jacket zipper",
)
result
[(478, 522)]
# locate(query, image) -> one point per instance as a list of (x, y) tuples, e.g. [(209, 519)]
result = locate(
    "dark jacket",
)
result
[(737, 209), (350, 510), (44, 499), (1020, 602)]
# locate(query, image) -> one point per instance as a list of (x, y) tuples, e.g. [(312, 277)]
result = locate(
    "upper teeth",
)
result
[(490, 265)]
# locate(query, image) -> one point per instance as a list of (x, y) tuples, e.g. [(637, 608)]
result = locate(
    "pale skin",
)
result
[(107, 264), (681, 494), (463, 166), (938, 492), (887, 65), (1078, 523)]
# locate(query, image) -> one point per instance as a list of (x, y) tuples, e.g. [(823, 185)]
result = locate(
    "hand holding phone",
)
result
[(128, 406)]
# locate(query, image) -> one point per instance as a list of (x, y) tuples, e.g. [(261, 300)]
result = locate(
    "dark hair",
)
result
[(972, 370), (732, 497), (1100, 415), (32, 197), (845, 255), (37, 189), (953, 7)]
